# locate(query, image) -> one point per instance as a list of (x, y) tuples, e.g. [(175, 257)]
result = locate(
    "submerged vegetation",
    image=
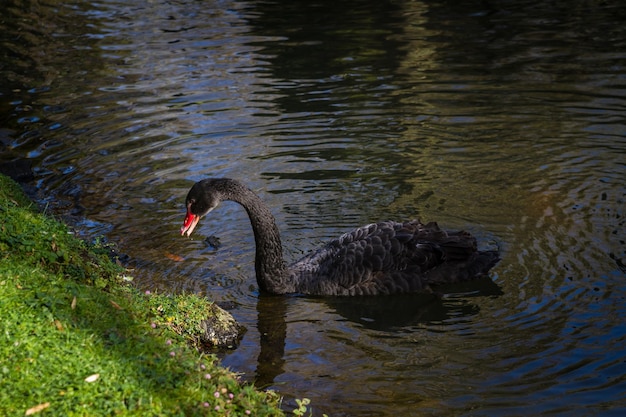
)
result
[(75, 339)]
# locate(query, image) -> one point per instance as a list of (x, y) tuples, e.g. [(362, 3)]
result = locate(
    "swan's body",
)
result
[(381, 258)]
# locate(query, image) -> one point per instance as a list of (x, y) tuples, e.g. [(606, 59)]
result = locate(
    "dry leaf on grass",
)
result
[(36, 409), (58, 325), (92, 378)]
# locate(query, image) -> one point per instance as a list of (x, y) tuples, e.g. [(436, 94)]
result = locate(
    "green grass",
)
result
[(76, 340)]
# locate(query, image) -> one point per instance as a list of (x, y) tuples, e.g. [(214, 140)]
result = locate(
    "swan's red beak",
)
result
[(191, 220)]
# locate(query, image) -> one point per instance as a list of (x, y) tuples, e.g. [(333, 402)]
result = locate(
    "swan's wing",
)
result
[(383, 258)]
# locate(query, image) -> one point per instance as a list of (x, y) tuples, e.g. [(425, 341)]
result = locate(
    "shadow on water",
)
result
[(272, 327), (389, 314)]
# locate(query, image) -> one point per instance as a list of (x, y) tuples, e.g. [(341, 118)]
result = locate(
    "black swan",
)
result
[(381, 258)]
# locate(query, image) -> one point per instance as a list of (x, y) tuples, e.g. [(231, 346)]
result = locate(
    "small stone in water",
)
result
[(213, 241)]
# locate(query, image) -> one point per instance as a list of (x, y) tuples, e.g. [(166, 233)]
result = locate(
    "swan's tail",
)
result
[(484, 261), (469, 269)]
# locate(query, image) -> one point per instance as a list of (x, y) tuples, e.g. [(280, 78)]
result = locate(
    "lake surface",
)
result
[(507, 119)]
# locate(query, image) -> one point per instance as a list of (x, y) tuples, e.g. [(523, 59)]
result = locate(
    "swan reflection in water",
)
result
[(405, 313)]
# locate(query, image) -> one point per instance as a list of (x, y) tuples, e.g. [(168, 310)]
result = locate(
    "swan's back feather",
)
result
[(390, 257)]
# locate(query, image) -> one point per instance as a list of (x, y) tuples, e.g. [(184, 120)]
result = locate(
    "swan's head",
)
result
[(200, 200)]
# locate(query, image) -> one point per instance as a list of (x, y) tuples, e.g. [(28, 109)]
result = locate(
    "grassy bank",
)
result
[(76, 340)]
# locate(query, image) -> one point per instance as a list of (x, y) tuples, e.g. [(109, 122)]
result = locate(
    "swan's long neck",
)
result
[(271, 271)]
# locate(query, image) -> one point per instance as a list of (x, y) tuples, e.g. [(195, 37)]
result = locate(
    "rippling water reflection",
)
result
[(506, 119)]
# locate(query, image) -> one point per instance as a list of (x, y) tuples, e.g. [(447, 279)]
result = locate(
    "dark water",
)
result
[(505, 118)]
